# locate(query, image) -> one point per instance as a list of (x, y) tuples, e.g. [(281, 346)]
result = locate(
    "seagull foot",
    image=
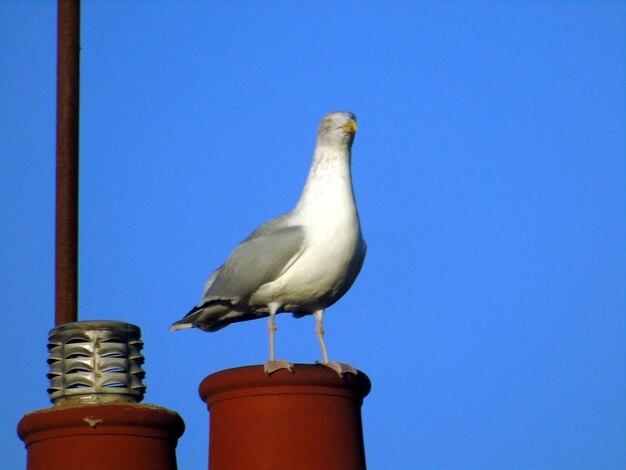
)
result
[(272, 366), (340, 367)]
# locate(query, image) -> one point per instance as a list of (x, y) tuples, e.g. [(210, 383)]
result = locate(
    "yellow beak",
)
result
[(350, 126)]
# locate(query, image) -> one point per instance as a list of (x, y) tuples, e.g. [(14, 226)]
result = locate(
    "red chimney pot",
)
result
[(120, 436), (308, 419)]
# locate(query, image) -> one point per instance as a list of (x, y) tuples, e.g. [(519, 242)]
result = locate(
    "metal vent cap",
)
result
[(94, 362)]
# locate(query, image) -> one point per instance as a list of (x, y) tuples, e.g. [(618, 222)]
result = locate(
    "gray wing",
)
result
[(270, 226), (259, 259)]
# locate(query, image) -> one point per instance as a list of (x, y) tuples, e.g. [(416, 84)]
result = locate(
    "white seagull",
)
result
[(300, 262)]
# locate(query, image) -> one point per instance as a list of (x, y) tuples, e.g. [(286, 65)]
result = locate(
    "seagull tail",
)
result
[(180, 326), (214, 315), (211, 316)]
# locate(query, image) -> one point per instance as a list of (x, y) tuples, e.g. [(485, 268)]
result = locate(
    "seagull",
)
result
[(301, 262)]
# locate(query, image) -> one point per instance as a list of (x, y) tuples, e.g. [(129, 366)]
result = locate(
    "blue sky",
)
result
[(490, 174)]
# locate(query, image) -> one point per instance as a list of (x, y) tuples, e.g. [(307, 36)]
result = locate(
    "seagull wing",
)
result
[(259, 259)]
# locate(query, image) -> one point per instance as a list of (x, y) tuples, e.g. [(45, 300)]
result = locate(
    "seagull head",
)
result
[(337, 128)]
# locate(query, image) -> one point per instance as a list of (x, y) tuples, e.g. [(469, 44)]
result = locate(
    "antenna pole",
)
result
[(66, 257)]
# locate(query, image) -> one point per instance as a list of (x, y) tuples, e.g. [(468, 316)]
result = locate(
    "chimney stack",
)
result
[(308, 419), (96, 384)]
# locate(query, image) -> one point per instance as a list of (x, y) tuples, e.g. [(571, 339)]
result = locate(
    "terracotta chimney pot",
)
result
[(308, 419), (120, 436)]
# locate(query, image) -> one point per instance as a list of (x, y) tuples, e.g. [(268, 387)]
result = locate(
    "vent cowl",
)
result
[(95, 362)]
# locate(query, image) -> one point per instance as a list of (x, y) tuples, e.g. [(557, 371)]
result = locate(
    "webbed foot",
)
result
[(272, 366), (340, 367)]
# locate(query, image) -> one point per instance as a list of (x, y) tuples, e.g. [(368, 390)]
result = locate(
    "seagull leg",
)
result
[(338, 367), (273, 365), (271, 328), (319, 332)]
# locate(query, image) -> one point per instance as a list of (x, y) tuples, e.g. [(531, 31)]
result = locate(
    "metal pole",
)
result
[(66, 264)]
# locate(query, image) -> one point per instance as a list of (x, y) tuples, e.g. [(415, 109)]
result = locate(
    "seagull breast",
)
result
[(334, 249)]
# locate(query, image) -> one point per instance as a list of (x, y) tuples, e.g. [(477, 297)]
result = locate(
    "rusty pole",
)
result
[(66, 259)]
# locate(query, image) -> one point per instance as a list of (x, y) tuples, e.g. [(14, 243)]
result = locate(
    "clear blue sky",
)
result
[(490, 174)]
